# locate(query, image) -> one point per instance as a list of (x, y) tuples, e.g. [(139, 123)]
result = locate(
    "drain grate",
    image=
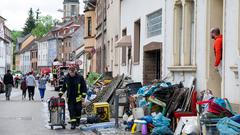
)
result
[(15, 118)]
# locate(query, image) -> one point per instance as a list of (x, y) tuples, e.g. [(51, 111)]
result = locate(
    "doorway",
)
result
[(152, 62), (214, 19)]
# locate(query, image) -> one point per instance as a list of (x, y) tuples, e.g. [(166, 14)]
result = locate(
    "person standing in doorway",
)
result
[(218, 49), (42, 86), (31, 83), (8, 81)]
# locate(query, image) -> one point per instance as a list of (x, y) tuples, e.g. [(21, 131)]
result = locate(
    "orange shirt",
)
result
[(218, 49)]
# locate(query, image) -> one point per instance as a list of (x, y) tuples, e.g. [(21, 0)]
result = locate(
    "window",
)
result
[(124, 49), (73, 10), (137, 33), (154, 23), (184, 34), (89, 19), (69, 44), (116, 52)]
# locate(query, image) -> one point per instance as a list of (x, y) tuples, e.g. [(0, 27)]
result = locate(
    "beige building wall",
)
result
[(113, 34), (90, 41), (27, 42)]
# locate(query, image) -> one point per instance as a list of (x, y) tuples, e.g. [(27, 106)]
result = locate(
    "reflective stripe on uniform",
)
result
[(79, 85), (73, 120), (79, 98), (84, 94)]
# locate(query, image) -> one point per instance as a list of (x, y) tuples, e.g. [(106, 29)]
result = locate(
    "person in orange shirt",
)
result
[(218, 49)]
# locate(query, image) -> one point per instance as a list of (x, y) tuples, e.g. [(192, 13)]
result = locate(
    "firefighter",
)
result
[(76, 89)]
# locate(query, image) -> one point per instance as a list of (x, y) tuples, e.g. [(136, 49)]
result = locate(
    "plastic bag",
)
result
[(142, 103), (161, 131), (159, 120), (220, 102), (148, 119), (226, 126)]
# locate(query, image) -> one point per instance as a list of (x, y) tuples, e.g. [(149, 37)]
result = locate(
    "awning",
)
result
[(125, 41), (152, 46)]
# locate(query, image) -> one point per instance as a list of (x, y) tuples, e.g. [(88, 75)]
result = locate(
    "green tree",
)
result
[(30, 23), (44, 25), (15, 34)]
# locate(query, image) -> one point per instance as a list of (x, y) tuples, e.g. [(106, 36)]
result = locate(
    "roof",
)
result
[(1, 18), (29, 47), (60, 26), (22, 39), (4, 40), (46, 37), (89, 5), (66, 1)]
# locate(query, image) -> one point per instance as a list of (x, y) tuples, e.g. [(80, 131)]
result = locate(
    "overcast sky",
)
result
[(16, 11)]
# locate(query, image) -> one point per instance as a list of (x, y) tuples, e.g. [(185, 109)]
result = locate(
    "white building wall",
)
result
[(43, 54), (2, 58), (131, 11), (231, 38)]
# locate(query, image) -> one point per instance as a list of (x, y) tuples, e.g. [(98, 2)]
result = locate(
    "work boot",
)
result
[(78, 122), (73, 126)]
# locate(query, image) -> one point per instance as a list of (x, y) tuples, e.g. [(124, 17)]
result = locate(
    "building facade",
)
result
[(6, 48), (43, 52), (113, 34), (70, 9), (142, 39), (90, 37), (101, 35), (190, 47)]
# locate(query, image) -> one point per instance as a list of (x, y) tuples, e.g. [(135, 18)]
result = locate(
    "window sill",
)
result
[(234, 69), (182, 68), (124, 64), (136, 63)]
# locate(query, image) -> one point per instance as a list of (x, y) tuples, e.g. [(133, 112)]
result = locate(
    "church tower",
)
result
[(70, 9)]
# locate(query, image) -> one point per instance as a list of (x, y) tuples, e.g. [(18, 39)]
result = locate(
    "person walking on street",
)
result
[(42, 86), (24, 88), (31, 83), (76, 89), (218, 49), (8, 81)]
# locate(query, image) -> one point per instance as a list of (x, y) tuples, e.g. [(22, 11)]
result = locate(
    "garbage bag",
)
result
[(226, 126), (142, 103), (220, 102), (164, 130), (236, 118), (150, 91), (148, 118), (142, 90), (159, 120)]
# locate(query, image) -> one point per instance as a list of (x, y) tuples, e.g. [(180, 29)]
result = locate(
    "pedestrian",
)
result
[(31, 83), (8, 81), (17, 79), (24, 88), (42, 86), (218, 49), (76, 89)]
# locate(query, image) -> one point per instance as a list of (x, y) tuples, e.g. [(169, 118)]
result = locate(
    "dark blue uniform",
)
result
[(76, 91)]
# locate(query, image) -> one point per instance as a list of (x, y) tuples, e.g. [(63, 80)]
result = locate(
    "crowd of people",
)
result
[(27, 84)]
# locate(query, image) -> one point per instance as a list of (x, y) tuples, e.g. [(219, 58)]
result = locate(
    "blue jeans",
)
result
[(42, 92)]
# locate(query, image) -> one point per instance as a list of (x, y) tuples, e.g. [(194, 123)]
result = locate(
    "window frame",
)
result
[(157, 31)]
